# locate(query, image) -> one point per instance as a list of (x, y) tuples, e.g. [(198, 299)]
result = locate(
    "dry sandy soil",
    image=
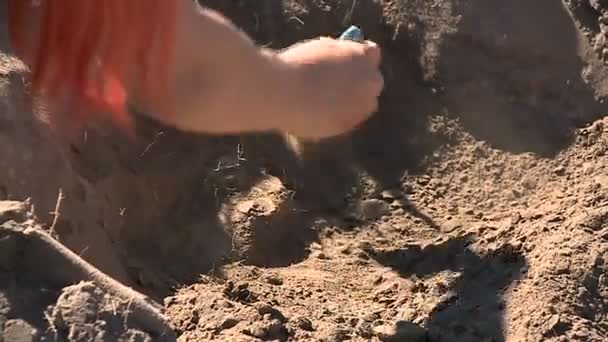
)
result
[(472, 207)]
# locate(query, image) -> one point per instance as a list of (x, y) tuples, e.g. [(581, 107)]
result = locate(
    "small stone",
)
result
[(382, 240), (365, 245), (560, 170), (396, 204), (13, 210), (399, 212), (408, 314), (275, 329), (274, 280), (536, 216), (255, 330), (265, 309), (373, 209), (345, 250), (228, 323), (244, 207), (260, 207), (401, 331), (319, 255), (304, 324), (451, 226), (424, 179), (588, 169), (515, 218), (17, 330), (391, 194), (468, 211), (555, 326), (270, 185), (364, 329), (555, 218), (516, 193), (340, 333)]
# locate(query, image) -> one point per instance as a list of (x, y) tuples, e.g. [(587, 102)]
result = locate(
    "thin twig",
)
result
[(52, 327), (56, 214), (349, 15), (154, 141), (127, 312)]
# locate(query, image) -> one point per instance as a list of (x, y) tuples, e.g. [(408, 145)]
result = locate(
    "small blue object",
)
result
[(353, 33)]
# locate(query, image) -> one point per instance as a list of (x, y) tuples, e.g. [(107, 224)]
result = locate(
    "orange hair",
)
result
[(87, 48)]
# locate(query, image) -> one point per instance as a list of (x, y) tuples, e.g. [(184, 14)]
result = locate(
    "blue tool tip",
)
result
[(353, 33)]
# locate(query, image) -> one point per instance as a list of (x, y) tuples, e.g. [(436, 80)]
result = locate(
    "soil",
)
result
[(473, 206)]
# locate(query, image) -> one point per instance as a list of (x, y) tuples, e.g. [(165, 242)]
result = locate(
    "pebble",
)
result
[(560, 170), (397, 205), (391, 194), (382, 240), (555, 326), (451, 226), (399, 212), (555, 218), (228, 322), (401, 331), (467, 211), (364, 329), (17, 330), (373, 209), (264, 309), (515, 218), (304, 324), (368, 210), (319, 255), (365, 245), (13, 210), (274, 280)]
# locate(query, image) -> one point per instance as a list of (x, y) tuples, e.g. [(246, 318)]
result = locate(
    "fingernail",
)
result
[(373, 50)]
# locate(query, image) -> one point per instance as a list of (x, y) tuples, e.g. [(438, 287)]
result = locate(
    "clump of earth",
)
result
[(473, 206)]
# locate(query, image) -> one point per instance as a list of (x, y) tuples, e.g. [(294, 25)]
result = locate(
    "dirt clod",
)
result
[(401, 331)]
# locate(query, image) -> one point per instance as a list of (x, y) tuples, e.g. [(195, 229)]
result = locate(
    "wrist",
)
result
[(284, 95)]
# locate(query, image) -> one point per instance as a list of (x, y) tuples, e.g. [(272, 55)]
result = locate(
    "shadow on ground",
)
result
[(474, 308)]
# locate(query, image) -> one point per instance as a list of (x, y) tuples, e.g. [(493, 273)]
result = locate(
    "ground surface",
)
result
[(472, 207)]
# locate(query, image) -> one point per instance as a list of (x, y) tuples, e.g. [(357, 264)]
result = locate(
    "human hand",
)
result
[(335, 85)]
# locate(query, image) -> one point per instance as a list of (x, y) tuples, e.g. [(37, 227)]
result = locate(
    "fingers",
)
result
[(369, 49), (376, 80), (373, 52), (373, 81)]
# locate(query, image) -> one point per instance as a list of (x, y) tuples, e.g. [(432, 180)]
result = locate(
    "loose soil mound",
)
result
[(472, 207)]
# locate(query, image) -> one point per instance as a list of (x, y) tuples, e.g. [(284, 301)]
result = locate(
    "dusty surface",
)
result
[(472, 207)]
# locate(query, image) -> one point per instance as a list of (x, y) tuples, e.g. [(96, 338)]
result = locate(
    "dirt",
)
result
[(472, 207)]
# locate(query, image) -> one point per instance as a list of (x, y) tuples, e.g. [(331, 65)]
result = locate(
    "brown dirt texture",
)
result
[(473, 206)]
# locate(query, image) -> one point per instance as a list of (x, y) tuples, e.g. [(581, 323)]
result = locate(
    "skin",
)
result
[(224, 83)]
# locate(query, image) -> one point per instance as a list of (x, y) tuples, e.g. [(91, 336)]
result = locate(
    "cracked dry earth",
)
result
[(472, 207)]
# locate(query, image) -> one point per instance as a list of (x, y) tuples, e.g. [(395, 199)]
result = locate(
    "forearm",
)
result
[(223, 83)]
